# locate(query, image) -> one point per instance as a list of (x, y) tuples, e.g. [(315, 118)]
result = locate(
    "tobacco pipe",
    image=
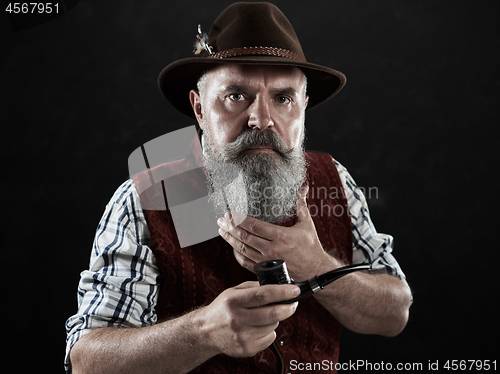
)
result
[(275, 272)]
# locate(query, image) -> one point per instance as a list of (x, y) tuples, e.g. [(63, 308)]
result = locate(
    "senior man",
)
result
[(148, 305)]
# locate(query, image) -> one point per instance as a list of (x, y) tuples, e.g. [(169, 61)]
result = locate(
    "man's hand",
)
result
[(254, 241), (364, 303), (240, 322)]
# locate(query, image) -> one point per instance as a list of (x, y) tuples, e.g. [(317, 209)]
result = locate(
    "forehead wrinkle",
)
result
[(290, 91), (234, 88), (245, 79), (278, 90)]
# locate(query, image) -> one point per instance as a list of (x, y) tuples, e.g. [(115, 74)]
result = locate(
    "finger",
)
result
[(264, 295), (244, 233), (269, 315), (255, 226), (244, 261), (239, 246), (247, 284), (258, 332), (266, 340), (257, 339), (245, 237)]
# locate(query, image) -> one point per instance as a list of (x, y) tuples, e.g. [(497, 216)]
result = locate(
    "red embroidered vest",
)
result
[(194, 276)]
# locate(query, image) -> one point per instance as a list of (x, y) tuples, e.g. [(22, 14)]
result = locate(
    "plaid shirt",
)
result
[(122, 283)]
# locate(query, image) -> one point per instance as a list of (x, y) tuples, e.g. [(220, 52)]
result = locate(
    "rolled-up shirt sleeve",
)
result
[(369, 246), (120, 288)]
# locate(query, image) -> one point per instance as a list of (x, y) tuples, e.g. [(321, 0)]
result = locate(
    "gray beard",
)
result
[(261, 185)]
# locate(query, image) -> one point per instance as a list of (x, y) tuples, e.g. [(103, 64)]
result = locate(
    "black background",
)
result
[(417, 120)]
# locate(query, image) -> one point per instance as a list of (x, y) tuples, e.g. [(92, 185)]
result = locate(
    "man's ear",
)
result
[(307, 101), (195, 99)]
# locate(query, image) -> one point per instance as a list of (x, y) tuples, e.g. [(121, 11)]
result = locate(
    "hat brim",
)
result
[(178, 78)]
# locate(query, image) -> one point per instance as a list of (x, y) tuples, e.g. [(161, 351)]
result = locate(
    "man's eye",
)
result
[(283, 100), (236, 97)]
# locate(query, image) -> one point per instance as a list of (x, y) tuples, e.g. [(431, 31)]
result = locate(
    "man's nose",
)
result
[(260, 114)]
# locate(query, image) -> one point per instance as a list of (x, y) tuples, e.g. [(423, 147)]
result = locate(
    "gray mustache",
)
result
[(263, 138)]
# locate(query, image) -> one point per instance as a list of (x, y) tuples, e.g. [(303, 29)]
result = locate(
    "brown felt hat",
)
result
[(247, 33)]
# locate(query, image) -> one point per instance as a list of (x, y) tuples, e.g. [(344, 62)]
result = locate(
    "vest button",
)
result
[(281, 343)]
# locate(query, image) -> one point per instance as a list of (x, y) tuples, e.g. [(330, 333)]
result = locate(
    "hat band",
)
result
[(258, 51)]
